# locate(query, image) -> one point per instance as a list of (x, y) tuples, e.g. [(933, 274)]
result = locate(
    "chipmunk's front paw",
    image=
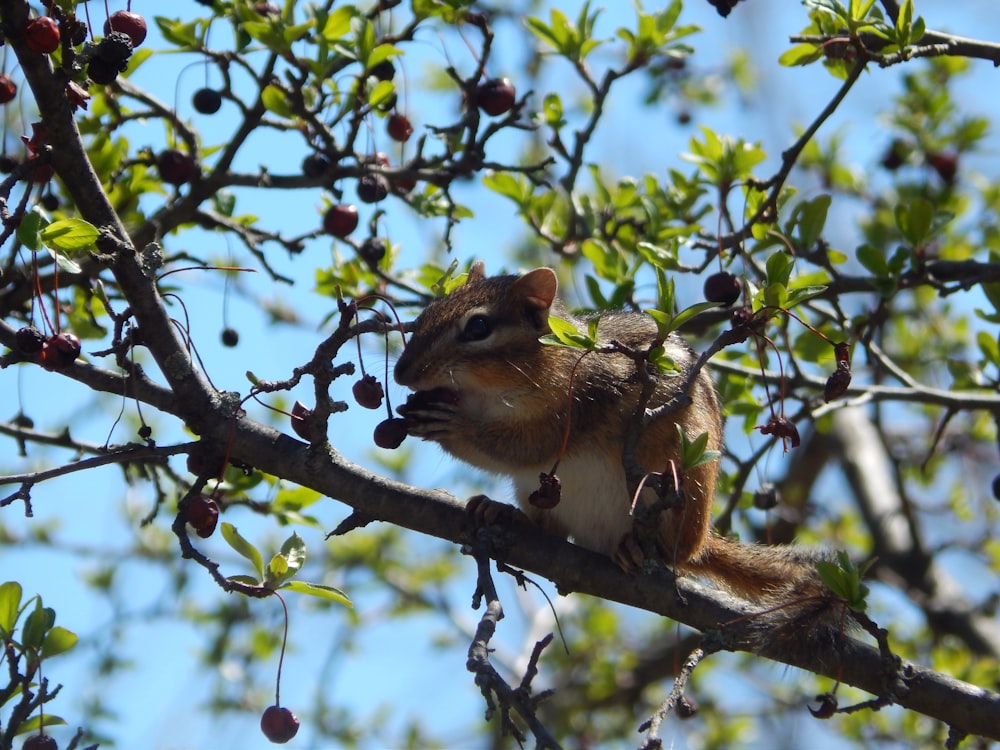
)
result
[(430, 415), (637, 550), (485, 512), (629, 555)]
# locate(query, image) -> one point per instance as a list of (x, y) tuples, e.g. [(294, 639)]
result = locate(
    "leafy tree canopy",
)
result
[(218, 218)]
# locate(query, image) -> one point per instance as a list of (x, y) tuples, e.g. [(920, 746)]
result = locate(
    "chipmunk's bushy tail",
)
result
[(783, 579)]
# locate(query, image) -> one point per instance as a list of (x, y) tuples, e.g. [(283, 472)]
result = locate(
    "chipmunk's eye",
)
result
[(477, 328)]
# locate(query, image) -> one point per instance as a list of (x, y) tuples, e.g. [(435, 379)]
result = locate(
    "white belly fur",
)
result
[(594, 505)]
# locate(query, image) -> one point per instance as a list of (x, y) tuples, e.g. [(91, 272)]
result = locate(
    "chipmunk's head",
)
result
[(470, 339)]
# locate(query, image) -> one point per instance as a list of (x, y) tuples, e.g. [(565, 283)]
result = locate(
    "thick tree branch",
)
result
[(69, 158), (966, 707)]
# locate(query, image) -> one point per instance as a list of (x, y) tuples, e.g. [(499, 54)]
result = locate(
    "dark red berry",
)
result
[(302, 420), (7, 163), (39, 137), (496, 96), (127, 23), (340, 220), (549, 492), (403, 184), (42, 35), (40, 742), (194, 463), (837, 383), (116, 47), (390, 433), (176, 167), (49, 201), (315, 165), (207, 101), (60, 351), (384, 71), (783, 428), (765, 497), (368, 392), (278, 724), (399, 127), (203, 515), (8, 89), (230, 337), (103, 72), (894, 156), (42, 172), (945, 164), (423, 399), (145, 432), (372, 250), (722, 288), (827, 706), (996, 487), (29, 340), (372, 188)]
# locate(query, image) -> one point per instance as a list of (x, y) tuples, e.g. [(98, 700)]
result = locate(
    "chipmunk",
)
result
[(492, 395)]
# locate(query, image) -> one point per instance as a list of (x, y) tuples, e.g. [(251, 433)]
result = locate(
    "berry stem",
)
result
[(569, 411), (281, 655), (90, 26), (38, 294)]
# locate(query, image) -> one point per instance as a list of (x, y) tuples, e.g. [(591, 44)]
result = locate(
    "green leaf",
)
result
[(668, 323), (872, 259), (318, 590), (381, 93), (693, 452), (243, 547), (338, 23), (10, 602), (37, 624), (802, 54), (989, 347), (177, 33), (800, 294), (812, 219), (30, 226), (663, 362), (294, 549), (381, 53), (552, 108), (506, 184), (37, 721), (779, 267), (286, 563), (843, 578), (58, 640), (915, 220), (274, 101), (70, 236), (565, 333), (277, 567)]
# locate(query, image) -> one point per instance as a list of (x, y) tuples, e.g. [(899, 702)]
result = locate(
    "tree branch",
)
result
[(967, 707)]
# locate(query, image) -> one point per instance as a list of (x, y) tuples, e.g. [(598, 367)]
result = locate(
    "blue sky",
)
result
[(158, 700)]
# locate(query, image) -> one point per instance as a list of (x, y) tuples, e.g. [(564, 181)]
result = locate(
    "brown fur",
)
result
[(513, 400)]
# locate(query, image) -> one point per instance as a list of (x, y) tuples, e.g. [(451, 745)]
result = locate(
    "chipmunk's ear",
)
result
[(538, 287), (477, 272)]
